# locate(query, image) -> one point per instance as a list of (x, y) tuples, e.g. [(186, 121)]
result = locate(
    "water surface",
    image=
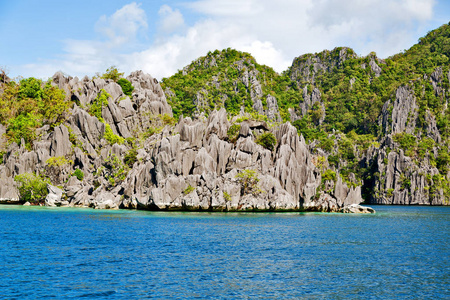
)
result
[(400, 252)]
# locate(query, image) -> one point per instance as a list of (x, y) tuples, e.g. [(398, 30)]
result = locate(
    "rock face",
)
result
[(192, 165), (400, 176)]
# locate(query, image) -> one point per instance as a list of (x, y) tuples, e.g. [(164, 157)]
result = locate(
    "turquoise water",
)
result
[(400, 252)]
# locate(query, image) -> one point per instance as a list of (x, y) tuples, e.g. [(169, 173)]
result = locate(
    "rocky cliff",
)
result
[(147, 160)]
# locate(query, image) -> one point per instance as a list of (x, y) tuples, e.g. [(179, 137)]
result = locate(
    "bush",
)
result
[(227, 196), (249, 182), (98, 103), (188, 190), (111, 137), (22, 126), (58, 161), (267, 140), (233, 132), (130, 157), (329, 175), (127, 87), (32, 188), (406, 141), (112, 73), (78, 174)]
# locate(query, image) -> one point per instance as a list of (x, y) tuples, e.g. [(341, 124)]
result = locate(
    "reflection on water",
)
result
[(400, 252)]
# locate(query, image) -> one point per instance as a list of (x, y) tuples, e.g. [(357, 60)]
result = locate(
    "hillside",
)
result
[(352, 110)]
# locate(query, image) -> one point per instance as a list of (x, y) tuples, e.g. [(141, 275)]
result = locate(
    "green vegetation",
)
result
[(248, 179), (112, 73), (78, 174), (329, 175), (29, 104), (32, 187), (233, 132), (115, 171), (157, 124), (130, 157), (227, 196), (188, 190), (126, 86), (267, 140), (216, 81), (96, 110), (58, 161)]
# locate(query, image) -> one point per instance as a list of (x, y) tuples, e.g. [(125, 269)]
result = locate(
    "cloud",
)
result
[(274, 32), (123, 26), (171, 20)]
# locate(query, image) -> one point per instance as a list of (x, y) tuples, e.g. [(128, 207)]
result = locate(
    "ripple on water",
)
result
[(400, 252)]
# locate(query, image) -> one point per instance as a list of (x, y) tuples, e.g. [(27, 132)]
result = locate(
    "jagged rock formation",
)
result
[(190, 166)]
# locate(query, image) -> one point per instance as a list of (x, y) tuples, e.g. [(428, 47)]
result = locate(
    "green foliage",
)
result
[(30, 88), (99, 102), (405, 182), (58, 161), (248, 179), (233, 132), (443, 161), (267, 140), (78, 174), (227, 196), (188, 190), (329, 175), (157, 124), (127, 87), (168, 120), (2, 154), (53, 105), (346, 148), (112, 73), (111, 137), (96, 110), (389, 192), (425, 145), (217, 79), (22, 127), (32, 187), (29, 104), (406, 141), (115, 171), (130, 157)]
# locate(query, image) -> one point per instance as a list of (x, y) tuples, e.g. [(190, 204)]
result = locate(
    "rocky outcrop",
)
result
[(307, 67), (189, 166), (357, 209)]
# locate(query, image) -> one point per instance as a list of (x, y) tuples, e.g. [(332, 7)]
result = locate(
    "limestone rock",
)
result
[(54, 197), (358, 209)]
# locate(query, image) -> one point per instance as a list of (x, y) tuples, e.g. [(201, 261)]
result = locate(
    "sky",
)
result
[(39, 38)]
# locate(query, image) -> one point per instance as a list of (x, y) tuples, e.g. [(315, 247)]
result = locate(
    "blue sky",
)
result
[(82, 37)]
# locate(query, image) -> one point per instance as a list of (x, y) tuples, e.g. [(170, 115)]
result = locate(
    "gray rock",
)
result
[(54, 197), (355, 208)]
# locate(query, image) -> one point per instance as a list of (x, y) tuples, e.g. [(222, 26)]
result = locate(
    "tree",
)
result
[(112, 73), (249, 182), (32, 187), (267, 140)]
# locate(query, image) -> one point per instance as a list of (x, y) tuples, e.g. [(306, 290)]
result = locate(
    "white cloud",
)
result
[(171, 20), (123, 25), (274, 32)]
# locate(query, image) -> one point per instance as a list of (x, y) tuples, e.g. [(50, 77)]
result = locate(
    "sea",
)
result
[(401, 252)]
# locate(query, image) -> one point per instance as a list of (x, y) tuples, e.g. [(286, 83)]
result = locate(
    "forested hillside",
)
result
[(352, 110)]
